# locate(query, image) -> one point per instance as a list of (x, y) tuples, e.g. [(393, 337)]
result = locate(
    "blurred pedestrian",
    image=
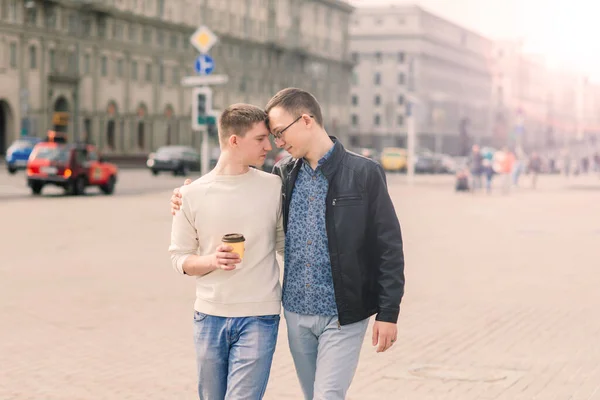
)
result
[(476, 168), (535, 166)]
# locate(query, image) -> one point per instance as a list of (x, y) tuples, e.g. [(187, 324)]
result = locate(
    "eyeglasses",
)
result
[(278, 135)]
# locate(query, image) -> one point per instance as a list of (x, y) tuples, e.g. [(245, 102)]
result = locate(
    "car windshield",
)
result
[(22, 144), (170, 150), (52, 154)]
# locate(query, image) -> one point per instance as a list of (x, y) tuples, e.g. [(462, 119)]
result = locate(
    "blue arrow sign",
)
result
[(204, 64)]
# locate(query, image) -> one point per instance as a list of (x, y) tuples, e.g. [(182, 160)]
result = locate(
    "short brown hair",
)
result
[(237, 119), (297, 101)]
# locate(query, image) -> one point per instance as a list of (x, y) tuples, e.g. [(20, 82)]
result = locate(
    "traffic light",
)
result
[(201, 107), (201, 103)]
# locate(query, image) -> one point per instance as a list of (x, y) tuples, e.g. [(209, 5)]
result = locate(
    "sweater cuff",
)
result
[(180, 262)]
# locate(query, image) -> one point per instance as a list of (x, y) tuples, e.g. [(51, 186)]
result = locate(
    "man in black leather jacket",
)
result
[(344, 259)]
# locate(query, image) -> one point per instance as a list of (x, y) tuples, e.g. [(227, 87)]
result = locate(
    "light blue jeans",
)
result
[(234, 355), (325, 354)]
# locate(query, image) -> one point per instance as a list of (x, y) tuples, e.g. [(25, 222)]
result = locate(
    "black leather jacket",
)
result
[(365, 243)]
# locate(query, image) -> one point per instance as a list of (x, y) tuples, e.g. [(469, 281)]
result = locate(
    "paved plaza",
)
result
[(502, 296)]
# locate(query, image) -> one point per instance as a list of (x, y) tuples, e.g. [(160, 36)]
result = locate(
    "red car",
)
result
[(70, 166)]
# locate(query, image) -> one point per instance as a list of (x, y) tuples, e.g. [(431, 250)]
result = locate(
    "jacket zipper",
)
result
[(349, 198)]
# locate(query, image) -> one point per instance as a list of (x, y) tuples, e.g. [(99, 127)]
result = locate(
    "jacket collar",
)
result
[(332, 163), (330, 166)]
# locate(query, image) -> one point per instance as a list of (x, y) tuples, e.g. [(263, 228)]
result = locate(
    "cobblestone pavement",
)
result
[(501, 302)]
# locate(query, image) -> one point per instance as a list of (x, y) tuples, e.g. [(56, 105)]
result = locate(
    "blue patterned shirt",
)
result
[(307, 280)]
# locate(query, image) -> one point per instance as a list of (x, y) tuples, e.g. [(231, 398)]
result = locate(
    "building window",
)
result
[(31, 15), (377, 79), (12, 10), (355, 57), (401, 58), (86, 64), (117, 30), (140, 135), (175, 76), (13, 55), (110, 134), (354, 119), (378, 58), (400, 100), (354, 78), (377, 120), (401, 78), (120, 68), (160, 38), (72, 24), (147, 36), (104, 66), (52, 60), (50, 16), (86, 26), (132, 33), (174, 40), (400, 120), (186, 43), (377, 100), (354, 100), (148, 72), (134, 70), (101, 27), (161, 74), (72, 63), (87, 130), (32, 57), (161, 8)]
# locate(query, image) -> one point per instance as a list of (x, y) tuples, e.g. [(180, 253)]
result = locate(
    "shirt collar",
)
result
[(322, 161)]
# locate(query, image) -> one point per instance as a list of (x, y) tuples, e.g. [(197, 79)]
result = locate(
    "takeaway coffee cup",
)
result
[(235, 240)]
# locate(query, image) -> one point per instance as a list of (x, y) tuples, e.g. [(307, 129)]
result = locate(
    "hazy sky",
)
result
[(565, 31)]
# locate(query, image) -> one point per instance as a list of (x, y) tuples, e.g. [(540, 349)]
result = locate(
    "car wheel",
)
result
[(36, 188), (109, 187), (79, 186), (12, 170), (154, 172)]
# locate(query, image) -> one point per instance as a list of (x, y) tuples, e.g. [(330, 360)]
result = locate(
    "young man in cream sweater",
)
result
[(238, 301)]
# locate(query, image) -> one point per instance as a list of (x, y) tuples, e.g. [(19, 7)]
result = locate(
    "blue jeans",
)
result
[(325, 354), (234, 355)]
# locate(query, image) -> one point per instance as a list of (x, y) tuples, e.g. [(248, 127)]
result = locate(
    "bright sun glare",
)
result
[(564, 31)]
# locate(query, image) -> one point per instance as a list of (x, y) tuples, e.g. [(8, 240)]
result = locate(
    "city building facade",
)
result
[(109, 72), (405, 54)]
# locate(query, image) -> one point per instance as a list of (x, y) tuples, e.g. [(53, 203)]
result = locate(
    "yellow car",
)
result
[(394, 159)]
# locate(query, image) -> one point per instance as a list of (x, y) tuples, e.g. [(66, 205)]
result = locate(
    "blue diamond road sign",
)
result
[(204, 64)]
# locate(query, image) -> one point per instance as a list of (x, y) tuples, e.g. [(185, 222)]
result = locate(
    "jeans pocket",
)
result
[(199, 317)]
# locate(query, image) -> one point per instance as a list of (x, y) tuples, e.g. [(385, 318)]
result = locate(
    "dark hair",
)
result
[(239, 118), (297, 101)]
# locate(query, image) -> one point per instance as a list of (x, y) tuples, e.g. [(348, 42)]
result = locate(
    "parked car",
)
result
[(70, 166), (394, 159), (427, 163), (18, 153), (179, 160)]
